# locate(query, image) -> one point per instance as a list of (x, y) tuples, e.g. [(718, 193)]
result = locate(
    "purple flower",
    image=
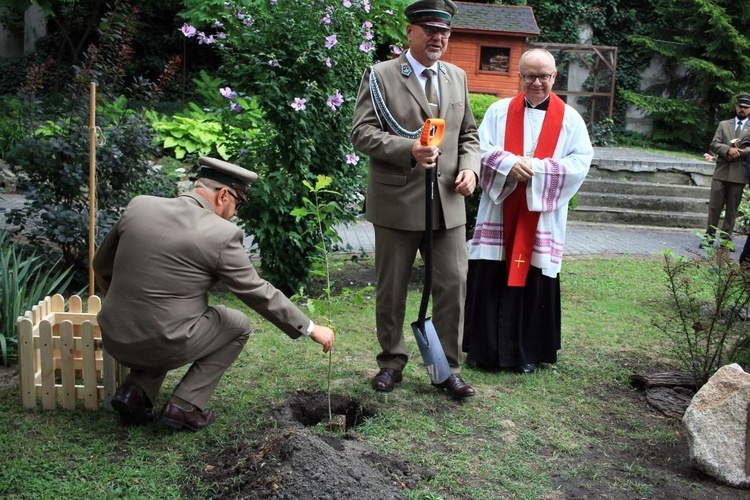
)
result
[(335, 100), (325, 19), (367, 25), (346, 3), (366, 46), (331, 41), (188, 31), (218, 24), (366, 4), (235, 107), (389, 12), (299, 104), (227, 92), (395, 49), (273, 2), (352, 158), (328, 62)]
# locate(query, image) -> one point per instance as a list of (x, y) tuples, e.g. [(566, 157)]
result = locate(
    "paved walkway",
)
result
[(582, 239)]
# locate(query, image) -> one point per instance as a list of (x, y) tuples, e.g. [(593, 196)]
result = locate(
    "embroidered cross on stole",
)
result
[(519, 223)]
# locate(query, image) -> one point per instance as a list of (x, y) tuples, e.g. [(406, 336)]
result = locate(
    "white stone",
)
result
[(715, 423)]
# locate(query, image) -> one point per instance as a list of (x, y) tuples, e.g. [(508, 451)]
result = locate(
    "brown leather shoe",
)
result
[(131, 402), (386, 379), (456, 387), (176, 417)]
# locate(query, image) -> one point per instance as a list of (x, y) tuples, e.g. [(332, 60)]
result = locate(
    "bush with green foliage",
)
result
[(212, 128), (25, 279), (55, 154), (707, 322), (302, 62)]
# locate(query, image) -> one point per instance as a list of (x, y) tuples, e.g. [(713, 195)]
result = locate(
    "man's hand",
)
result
[(425, 155), (522, 170), (323, 336), (466, 182), (733, 153)]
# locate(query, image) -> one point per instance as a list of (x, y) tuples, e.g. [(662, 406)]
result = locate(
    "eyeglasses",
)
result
[(431, 31), (239, 201), (531, 78)]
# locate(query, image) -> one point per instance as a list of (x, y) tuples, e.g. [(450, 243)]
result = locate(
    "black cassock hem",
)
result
[(506, 327)]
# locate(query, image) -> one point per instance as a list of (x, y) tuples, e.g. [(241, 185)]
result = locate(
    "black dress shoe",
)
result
[(172, 415), (456, 387), (527, 369), (386, 379), (131, 402)]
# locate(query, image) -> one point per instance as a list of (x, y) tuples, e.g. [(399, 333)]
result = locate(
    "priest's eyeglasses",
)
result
[(531, 78), (431, 31)]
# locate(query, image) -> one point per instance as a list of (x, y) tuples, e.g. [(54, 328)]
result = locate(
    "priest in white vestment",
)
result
[(536, 153)]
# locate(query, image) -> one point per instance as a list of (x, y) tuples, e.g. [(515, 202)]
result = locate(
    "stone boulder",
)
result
[(715, 423)]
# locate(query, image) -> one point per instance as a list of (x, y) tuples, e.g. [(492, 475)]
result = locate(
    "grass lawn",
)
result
[(573, 430)]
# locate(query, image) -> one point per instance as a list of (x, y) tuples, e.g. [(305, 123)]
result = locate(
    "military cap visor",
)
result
[(233, 176), (743, 99)]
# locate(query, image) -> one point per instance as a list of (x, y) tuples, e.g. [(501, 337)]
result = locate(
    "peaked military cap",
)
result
[(231, 175), (432, 12)]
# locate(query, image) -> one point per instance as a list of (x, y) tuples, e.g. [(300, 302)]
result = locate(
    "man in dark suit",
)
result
[(729, 176), (156, 267), (391, 107)]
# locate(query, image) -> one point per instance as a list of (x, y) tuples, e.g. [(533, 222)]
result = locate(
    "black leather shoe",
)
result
[(386, 379), (131, 402), (527, 369), (176, 417), (456, 387)]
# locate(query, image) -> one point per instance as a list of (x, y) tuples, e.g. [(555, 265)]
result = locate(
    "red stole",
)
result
[(518, 221)]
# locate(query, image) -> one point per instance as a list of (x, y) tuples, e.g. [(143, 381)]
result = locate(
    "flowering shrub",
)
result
[(302, 61)]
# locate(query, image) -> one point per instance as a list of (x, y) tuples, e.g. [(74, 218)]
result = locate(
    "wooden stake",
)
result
[(92, 184)]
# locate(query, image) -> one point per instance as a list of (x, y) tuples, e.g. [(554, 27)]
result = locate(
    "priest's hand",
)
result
[(522, 170)]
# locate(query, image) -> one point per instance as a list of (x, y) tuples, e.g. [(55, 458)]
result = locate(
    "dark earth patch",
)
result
[(292, 461)]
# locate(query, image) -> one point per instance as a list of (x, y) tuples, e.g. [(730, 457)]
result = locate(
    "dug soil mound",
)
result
[(291, 460)]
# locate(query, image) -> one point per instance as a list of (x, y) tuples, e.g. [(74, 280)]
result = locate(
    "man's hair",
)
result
[(523, 58)]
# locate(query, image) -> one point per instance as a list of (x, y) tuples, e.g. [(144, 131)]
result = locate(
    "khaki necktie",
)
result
[(429, 90), (738, 130)]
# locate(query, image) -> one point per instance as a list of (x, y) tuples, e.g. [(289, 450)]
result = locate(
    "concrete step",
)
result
[(620, 186), (619, 215), (644, 202)]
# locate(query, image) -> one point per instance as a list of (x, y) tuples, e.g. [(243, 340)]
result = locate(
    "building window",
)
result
[(494, 59)]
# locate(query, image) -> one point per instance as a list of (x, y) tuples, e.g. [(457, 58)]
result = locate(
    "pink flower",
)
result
[(346, 3), (227, 92), (366, 46), (236, 107), (366, 4), (334, 101), (708, 157), (331, 41), (352, 158), (188, 31), (325, 19), (299, 104), (328, 62), (395, 49)]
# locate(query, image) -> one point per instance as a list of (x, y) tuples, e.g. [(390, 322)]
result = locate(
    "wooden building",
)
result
[(487, 42)]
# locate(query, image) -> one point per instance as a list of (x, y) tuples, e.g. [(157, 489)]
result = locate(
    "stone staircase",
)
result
[(634, 187)]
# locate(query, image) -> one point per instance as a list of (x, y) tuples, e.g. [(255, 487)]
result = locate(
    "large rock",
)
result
[(715, 423)]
